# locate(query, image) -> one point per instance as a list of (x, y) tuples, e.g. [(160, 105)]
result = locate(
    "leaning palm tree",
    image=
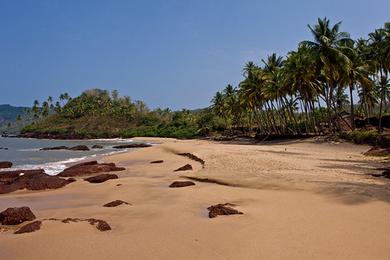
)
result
[(333, 63)]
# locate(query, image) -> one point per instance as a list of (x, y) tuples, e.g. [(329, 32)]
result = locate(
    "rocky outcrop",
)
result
[(74, 148), (97, 146), (186, 167), (88, 168), (132, 145), (157, 161), (29, 179), (54, 148), (5, 164), (16, 216), (79, 148), (179, 184), (378, 151), (30, 227), (115, 203), (101, 178), (222, 209)]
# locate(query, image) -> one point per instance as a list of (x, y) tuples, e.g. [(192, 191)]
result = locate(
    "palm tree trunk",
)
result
[(352, 108)]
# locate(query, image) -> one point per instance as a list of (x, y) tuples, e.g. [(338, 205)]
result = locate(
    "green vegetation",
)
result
[(313, 90), (305, 92), (99, 114)]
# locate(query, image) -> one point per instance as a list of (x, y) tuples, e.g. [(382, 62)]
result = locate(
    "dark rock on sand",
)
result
[(221, 209), (132, 145), (186, 167), (15, 216), (99, 224), (179, 184), (378, 151), (88, 168), (115, 203), (101, 178), (97, 146), (29, 179), (5, 164), (79, 148), (28, 228), (157, 161)]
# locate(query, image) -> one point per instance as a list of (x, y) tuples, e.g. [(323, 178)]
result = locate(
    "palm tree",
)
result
[(359, 74), (379, 54), (333, 63)]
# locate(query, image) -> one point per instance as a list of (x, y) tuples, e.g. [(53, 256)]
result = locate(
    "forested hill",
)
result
[(10, 113), (98, 113)]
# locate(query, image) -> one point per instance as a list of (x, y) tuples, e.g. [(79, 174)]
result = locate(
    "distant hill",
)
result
[(9, 113), (8, 119)]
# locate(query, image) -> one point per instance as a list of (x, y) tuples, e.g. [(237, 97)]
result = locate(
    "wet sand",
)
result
[(300, 199)]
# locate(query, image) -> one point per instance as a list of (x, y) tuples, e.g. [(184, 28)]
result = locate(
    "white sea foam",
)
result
[(54, 168)]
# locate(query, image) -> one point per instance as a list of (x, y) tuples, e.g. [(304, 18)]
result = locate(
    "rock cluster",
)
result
[(16, 216), (221, 209), (132, 145), (73, 148), (88, 168), (29, 179)]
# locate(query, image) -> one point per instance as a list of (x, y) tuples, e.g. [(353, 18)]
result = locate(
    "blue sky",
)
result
[(168, 53)]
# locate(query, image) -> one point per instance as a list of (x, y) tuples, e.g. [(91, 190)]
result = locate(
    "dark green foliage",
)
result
[(97, 114)]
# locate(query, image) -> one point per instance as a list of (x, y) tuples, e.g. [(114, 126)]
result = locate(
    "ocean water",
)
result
[(25, 153)]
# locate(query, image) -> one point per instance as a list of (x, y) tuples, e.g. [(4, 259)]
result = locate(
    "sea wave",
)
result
[(54, 168)]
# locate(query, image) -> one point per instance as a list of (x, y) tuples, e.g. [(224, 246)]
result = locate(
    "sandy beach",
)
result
[(300, 200)]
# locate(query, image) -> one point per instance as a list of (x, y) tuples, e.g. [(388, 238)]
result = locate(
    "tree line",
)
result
[(310, 89)]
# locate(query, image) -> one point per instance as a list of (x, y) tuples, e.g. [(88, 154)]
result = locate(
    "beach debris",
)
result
[(101, 178), (11, 181), (222, 209), (378, 151), (16, 216), (157, 161), (115, 203), (88, 168), (132, 145), (193, 157), (5, 164), (179, 184), (30, 227), (119, 184), (97, 146), (187, 167)]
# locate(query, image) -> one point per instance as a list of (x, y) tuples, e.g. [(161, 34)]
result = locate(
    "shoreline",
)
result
[(327, 207)]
